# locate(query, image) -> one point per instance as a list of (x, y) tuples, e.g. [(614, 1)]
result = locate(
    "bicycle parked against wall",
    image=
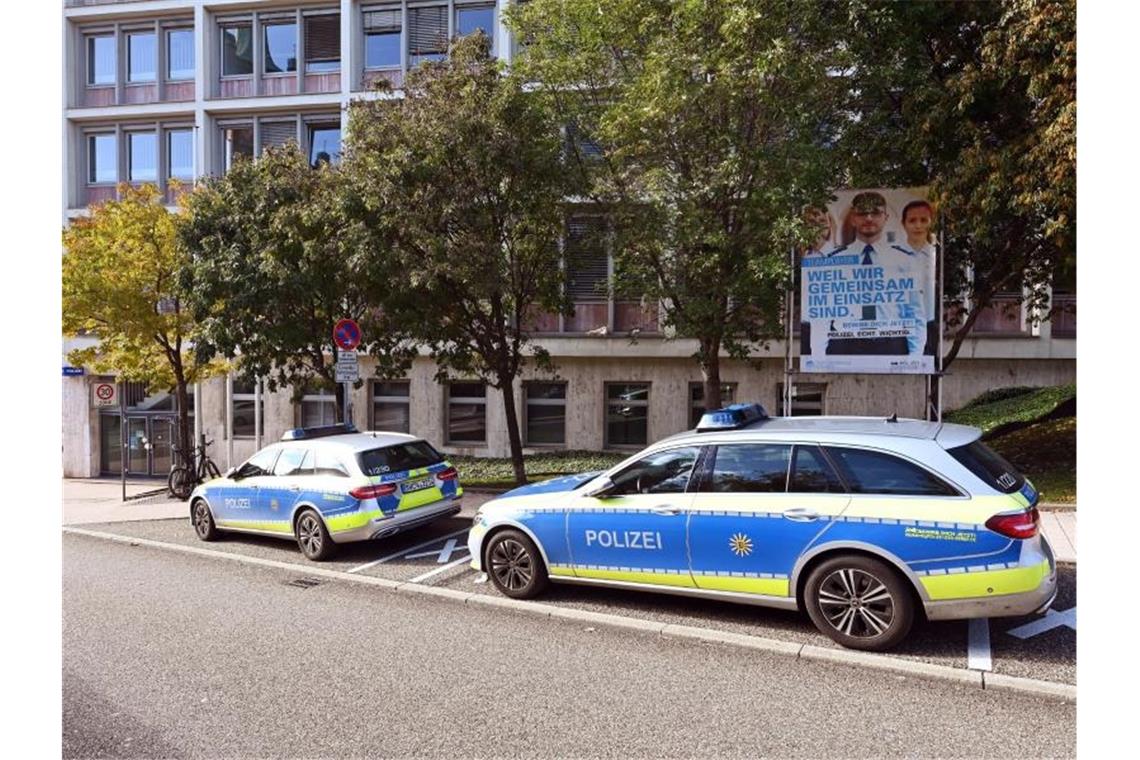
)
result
[(189, 473)]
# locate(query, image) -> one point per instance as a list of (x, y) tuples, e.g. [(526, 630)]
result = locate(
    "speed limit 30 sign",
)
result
[(104, 394)]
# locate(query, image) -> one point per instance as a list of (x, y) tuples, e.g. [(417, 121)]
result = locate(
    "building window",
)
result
[(280, 48), (427, 34), (142, 157), (322, 42), (807, 398), (101, 59), (545, 414), (697, 400), (244, 404), (382, 39), (318, 408), (466, 413), (324, 144), (627, 414), (237, 50), (469, 19), (587, 264), (180, 153), (238, 142), (274, 134), (141, 57), (390, 408), (103, 159), (180, 54)]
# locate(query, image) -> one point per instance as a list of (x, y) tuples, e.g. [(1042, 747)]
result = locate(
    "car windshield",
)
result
[(402, 456), (990, 466)]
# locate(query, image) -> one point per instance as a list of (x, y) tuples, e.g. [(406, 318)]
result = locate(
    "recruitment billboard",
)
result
[(867, 285)]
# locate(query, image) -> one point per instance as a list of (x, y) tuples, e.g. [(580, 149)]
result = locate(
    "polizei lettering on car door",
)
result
[(626, 539)]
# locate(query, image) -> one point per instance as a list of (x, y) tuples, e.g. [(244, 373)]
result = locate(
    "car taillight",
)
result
[(1020, 525), (449, 474), (373, 492)]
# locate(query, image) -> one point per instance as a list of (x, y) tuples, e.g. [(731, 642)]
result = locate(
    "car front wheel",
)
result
[(313, 538), (204, 521), (515, 565), (859, 602)]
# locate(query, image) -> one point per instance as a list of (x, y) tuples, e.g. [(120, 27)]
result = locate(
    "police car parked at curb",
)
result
[(327, 486), (863, 523)]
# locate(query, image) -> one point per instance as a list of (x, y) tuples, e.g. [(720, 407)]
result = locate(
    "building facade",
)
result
[(167, 91)]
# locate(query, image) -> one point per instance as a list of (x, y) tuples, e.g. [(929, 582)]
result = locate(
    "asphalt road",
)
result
[(170, 655), (1049, 655)]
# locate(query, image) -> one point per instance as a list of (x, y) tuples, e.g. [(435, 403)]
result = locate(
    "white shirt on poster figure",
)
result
[(869, 216)]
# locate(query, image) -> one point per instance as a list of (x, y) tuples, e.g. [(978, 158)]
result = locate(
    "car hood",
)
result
[(555, 485)]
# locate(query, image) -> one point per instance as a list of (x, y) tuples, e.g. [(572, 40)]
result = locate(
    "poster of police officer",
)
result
[(867, 292)]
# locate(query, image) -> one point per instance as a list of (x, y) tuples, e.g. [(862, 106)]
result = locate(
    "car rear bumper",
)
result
[(1034, 601), (400, 522)]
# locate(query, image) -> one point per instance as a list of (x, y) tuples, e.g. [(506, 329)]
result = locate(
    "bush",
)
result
[(999, 394), (1026, 408)]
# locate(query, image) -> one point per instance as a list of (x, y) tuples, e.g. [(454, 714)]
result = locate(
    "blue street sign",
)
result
[(72, 371)]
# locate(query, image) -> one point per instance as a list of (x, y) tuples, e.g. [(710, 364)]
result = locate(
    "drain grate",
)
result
[(303, 582)]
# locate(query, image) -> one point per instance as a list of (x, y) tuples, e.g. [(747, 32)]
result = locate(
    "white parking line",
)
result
[(402, 552), (439, 570), (978, 656)]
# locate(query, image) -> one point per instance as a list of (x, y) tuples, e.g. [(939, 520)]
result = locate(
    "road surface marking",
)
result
[(402, 552), (978, 656), (444, 554), (1052, 619), (439, 570)]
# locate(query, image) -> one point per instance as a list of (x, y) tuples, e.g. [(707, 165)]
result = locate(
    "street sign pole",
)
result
[(346, 337), (123, 437)]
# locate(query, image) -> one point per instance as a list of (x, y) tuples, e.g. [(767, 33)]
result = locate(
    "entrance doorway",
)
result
[(149, 437)]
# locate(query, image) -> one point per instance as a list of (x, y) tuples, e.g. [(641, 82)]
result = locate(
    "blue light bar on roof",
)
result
[(731, 417), (304, 434)]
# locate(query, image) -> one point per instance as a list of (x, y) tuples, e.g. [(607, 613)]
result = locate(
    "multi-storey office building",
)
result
[(166, 91)]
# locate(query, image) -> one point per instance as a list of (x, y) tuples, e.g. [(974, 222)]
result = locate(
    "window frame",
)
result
[(449, 400), (399, 33), (606, 442), (89, 38), (314, 125), (141, 32), (527, 401), (92, 153), (128, 138), (235, 396), (322, 396), (176, 29), (168, 132), (223, 26), (264, 24), (693, 405), (305, 17), (415, 59), (405, 401), (458, 7)]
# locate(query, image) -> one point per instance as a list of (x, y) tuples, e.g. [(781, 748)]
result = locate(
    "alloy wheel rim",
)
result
[(856, 603), (201, 519), (511, 564), (310, 535)]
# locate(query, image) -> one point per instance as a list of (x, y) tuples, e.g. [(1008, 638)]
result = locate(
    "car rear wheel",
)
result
[(203, 521), (313, 538), (859, 602), (515, 565)]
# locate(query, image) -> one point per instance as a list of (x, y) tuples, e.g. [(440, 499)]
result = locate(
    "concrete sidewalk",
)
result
[(99, 500)]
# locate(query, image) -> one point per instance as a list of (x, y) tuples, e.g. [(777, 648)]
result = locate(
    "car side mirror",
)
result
[(232, 473), (599, 489)]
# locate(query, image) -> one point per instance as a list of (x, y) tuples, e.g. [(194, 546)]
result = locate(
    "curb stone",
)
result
[(997, 682)]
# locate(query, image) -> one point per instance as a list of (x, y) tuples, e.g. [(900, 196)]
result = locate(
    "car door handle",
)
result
[(801, 514), (294, 488), (666, 510)]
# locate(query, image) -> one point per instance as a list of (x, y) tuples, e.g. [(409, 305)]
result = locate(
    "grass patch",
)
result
[(1047, 453), (996, 408), (498, 472)]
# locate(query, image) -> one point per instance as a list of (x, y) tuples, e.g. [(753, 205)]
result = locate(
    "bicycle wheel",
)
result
[(180, 483)]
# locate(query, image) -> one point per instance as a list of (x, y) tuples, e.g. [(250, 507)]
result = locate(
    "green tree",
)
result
[(704, 129), (979, 100), (120, 284), (273, 265), (461, 184)]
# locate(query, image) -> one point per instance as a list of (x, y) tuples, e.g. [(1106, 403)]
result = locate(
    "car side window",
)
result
[(875, 472), (661, 472), (327, 463), (292, 462), (749, 468), (260, 463), (812, 473)]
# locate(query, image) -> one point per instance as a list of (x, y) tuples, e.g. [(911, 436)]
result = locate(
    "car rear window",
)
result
[(990, 466), (402, 456)]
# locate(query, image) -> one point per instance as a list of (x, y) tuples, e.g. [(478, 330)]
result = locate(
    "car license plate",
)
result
[(419, 485)]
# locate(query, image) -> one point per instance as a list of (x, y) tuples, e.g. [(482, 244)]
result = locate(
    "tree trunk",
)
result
[(710, 371), (508, 389), (185, 435)]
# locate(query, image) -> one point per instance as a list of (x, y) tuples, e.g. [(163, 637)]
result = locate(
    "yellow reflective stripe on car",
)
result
[(351, 521), (276, 526), (419, 498), (632, 576), (766, 586), (985, 582)]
